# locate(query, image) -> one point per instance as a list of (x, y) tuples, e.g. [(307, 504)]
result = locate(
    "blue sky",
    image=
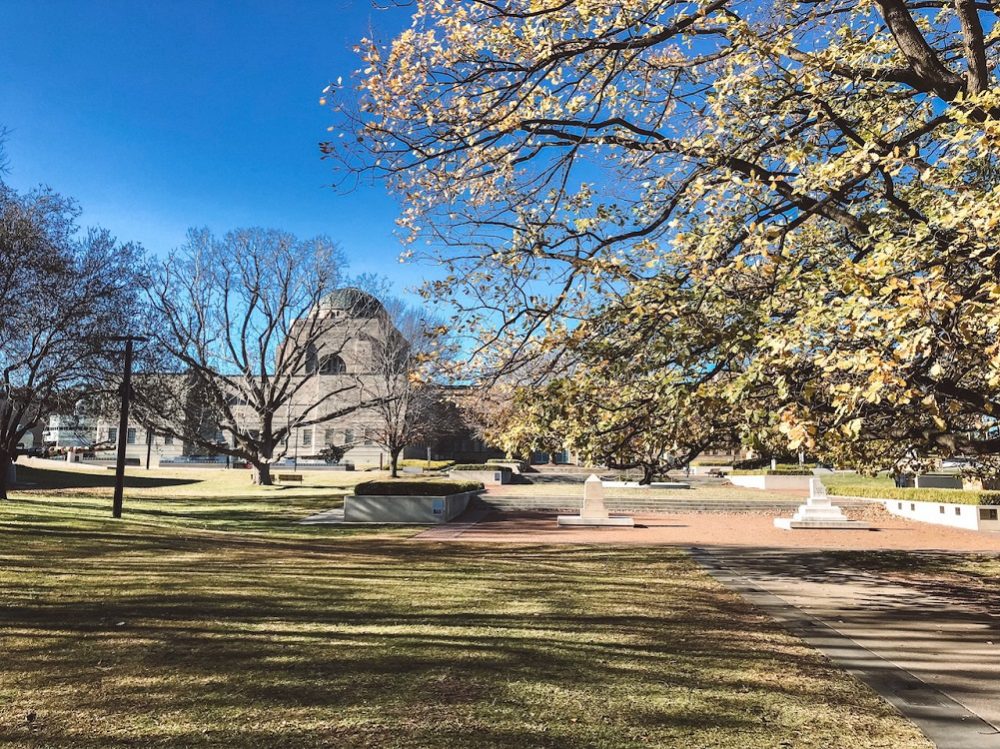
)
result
[(161, 116)]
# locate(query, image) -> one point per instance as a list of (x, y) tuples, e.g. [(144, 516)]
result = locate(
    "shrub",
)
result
[(434, 465), (765, 463), (779, 471), (415, 488), (521, 464), (478, 467), (950, 496), (752, 464)]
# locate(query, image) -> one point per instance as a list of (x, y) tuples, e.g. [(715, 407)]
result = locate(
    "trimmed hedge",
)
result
[(779, 471), (765, 464), (435, 465), (949, 496), (521, 464), (478, 467), (415, 488)]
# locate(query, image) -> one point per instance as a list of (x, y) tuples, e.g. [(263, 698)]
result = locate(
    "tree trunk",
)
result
[(6, 467), (394, 463), (647, 474), (262, 474)]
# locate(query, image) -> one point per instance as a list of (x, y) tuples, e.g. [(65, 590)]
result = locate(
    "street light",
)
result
[(116, 507)]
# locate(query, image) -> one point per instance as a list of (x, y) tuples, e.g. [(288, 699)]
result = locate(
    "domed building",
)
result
[(349, 334)]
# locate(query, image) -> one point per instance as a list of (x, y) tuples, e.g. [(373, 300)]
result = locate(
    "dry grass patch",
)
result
[(119, 634)]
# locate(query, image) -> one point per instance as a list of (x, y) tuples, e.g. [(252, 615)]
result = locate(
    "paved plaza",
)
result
[(713, 529)]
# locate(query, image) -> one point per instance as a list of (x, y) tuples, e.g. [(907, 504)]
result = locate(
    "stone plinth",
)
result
[(819, 513), (594, 512)]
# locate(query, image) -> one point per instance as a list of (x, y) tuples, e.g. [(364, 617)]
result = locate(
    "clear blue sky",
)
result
[(161, 116)]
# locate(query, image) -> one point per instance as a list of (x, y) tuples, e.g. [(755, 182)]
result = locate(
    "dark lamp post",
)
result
[(126, 393)]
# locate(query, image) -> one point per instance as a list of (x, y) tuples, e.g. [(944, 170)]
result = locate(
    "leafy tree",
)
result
[(825, 171), (63, 294), (248, 324), (653, 400)]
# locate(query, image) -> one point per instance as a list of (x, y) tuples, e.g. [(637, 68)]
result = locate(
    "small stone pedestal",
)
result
[(818, 513), (594, 513)]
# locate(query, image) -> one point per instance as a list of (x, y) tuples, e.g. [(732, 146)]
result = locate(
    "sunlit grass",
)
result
[(193, 498), (121, 633)]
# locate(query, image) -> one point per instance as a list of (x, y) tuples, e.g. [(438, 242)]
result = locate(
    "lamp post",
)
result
[(126, 393)]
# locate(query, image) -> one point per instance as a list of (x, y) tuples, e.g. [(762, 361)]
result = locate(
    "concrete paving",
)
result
[(934, 656)]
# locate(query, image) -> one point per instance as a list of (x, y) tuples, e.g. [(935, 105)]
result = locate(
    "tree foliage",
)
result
[(64, 293), (819, 178)]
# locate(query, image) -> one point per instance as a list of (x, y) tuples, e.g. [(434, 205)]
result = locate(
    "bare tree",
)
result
[(409, 406), (62, 294), (251, 324)]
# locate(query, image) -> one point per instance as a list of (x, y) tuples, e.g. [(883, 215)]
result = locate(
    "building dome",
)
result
[(353, 301)]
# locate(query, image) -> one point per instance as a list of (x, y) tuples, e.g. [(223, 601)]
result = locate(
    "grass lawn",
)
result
[(215, 499), (152, 634)]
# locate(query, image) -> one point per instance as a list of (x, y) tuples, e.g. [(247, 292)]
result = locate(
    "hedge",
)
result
[(415, 488), (765, 463), (435, 465), (521, 464), (950, 496), (478, 467), (779, 471)]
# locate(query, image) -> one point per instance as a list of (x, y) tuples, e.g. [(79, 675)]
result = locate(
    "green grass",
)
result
[(882, 487), (161, 631), (215, 499), (116, 634)]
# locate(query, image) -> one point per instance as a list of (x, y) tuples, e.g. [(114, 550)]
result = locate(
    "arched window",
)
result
[(332, 364)]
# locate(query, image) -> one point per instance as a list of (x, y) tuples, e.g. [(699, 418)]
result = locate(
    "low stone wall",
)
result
[(488, 478), (970, 517), (779, 482), (419, 510)]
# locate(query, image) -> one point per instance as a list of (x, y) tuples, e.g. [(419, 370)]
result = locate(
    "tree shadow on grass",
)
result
[(31, 478), (128, 636)]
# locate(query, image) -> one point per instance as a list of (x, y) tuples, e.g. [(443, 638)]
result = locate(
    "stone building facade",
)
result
[(340, 370)]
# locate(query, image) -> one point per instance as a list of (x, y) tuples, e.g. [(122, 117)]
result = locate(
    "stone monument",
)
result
[(594, 513), (819, 513)]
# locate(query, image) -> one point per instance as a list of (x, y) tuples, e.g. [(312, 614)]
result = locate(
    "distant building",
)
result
[(352, 345)]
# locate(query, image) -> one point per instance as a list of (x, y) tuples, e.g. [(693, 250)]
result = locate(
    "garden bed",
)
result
[(411, 502)]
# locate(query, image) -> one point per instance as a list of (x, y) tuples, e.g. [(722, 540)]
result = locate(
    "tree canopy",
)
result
[(247, 325), (64, 295), (817, 182)]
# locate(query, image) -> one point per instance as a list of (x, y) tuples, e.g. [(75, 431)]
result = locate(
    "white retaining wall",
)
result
[(970, 517), (495, 478), (423, 510)]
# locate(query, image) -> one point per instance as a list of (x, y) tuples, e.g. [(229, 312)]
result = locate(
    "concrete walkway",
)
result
[(933, 654)]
